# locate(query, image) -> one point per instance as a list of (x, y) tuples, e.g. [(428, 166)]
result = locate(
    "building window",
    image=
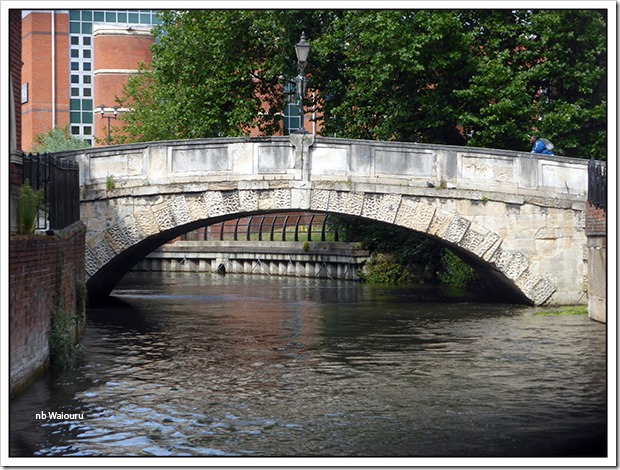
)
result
[(292, 121)]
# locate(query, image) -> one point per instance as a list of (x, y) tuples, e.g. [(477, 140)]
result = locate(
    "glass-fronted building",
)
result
[(81, 24)]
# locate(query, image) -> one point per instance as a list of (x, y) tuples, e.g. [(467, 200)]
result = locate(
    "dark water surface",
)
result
[(203, 365)]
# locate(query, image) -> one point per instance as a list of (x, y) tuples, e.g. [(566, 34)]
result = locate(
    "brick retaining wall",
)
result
[(43, 269), (596, 221), (596, 231)]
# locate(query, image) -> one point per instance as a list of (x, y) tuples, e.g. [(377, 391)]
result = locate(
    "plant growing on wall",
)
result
[(110, 184), (63, 348), (28, 205)]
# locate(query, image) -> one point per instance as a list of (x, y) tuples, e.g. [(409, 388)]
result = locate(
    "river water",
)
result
[(208, 365)]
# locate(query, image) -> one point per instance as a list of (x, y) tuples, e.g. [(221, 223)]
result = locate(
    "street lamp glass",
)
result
[(302, 48)]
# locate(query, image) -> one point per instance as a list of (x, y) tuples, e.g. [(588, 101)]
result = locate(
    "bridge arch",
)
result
[(133, 235)]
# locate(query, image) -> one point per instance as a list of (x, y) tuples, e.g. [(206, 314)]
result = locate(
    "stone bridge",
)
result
[(518, 219)]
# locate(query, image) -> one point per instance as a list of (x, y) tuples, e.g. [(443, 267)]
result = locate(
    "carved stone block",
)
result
[(164, 216), (456, 229), (248, 200), (122, 235), (319, 200), (180, 211), (102, 250), (221, 202), (526, 281), (147, 222), (265, 200), (542, 291), (479, 243), (354, 203), (388, 207), (512, 264), (91, 262), (414, 215), (439, 224), (197, 208), (372, 204), (282, 198), (337, 201)]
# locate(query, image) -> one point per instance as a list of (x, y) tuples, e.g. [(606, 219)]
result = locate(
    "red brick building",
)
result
[(75, 61)]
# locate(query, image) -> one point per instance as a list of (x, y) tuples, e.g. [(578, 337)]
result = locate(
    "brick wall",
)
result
[(38, 70), (596, 220), (117, 53), (596, 231), (15, 66), (41, 269)]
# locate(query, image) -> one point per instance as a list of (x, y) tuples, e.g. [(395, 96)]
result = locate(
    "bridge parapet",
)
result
[(303, 158)]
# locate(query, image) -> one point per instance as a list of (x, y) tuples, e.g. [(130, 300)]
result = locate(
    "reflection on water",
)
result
[(201, 365)]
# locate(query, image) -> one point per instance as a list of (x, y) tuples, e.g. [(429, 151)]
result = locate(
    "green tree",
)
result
[(56, 140), (390, 74), (214, 73), (470, 77), (541, 71)]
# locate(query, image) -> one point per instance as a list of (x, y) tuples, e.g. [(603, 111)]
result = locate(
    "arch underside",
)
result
[(153, 221)]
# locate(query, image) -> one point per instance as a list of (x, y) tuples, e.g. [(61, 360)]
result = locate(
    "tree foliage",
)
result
[(214, 73), (57, 140), (486, 77)]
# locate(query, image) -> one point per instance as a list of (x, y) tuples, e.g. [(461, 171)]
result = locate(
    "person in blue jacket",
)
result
[(541, 145)]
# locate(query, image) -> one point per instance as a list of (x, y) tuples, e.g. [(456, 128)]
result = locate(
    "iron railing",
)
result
[(281, 227), (60, 180), (597, 183)]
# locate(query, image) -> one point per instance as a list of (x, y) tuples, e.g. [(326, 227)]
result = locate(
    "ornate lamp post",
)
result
[(302, 48), (102, 109)]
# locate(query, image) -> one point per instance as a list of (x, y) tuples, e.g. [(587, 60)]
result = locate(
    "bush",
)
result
[(28, 205), (385, 269), (456, 272), (57, 140)]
